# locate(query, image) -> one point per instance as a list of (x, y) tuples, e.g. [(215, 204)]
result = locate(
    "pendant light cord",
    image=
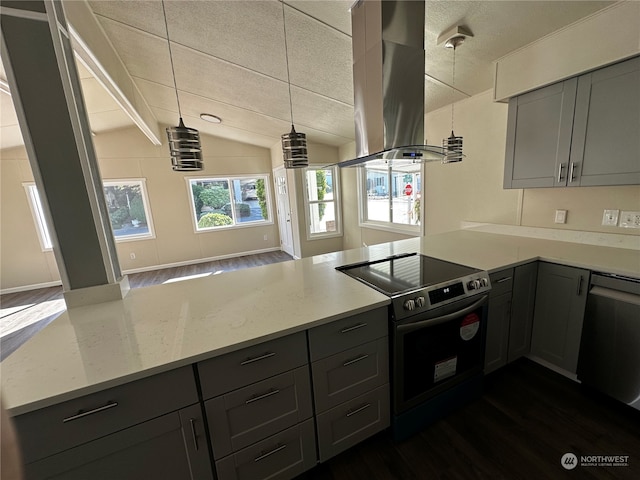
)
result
[(453, 86), (173, 73), (286, 56)]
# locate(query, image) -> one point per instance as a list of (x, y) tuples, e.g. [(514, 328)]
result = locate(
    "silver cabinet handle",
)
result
[(354, 327), (260, 397), (270, 452), (579, 285), (354, 360), (572, 166), (192, 421), (358, 410), (560, 172), (82, 414), (502, 280), (257, 359)]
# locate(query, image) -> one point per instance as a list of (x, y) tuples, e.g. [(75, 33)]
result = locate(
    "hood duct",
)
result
[(389, 78)]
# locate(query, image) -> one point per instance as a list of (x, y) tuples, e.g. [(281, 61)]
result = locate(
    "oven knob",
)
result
[(484, 282), (409, 305), (419, 302), (473, 285)]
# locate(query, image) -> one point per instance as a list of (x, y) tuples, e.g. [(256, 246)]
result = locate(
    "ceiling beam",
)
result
[(94, 50)]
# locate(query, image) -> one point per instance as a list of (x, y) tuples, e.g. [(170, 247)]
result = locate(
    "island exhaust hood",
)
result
[(389, 78)]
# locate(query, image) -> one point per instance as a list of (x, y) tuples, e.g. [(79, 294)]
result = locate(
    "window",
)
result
[(228, 202), (127, 205), (38, 216), (391, 197), (128, 209), (321, 200)]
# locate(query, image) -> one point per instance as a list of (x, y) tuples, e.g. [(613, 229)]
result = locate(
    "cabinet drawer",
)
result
[(234, 370), (347, 333), (353, 421), (347, 374), (281, 456), (501, 282), (171, 446), (59, 427), (252, 413)]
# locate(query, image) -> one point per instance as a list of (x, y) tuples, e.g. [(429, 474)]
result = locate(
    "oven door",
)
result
[(438, 349)]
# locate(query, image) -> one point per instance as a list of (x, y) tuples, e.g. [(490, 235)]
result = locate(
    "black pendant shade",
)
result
[(294, 149), (184, 147), (452, 147)]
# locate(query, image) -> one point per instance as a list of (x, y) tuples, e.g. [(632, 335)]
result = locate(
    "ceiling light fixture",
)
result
[(294, 144), (184, 142), (208, 117), (453, 145)]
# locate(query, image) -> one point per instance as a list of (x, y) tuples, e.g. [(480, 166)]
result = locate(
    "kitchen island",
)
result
[(164, 327)]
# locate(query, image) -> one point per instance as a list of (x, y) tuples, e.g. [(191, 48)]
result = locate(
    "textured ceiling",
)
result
[(230, 60)]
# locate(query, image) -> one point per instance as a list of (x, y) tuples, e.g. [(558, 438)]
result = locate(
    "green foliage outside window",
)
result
[(321, 182), (214, 220), (262, 197), (214, 197)]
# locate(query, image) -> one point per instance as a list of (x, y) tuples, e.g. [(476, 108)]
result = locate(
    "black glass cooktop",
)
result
[(402, 273)]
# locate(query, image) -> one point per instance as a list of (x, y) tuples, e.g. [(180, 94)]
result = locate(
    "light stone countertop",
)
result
[(162, 327)]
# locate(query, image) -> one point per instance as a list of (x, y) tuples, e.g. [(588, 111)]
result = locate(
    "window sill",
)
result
[(413, 230)]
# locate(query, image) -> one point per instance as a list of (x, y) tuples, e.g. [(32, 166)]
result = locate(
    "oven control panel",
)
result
[(434, 296)]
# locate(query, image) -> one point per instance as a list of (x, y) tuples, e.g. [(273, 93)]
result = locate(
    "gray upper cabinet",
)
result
[(539, 136), (561, 297), (584, 131), (605, 147)]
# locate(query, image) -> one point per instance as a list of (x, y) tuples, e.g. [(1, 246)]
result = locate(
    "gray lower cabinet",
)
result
[(561, 296), (498, 320), (605, 148), (152, 425), (171, 446), (259, 410), (350, 376), (510, 318)]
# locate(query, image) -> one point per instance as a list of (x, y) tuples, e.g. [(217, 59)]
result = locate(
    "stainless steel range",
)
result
[(437, 322)]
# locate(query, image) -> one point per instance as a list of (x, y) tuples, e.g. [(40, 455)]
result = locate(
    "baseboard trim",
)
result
[(35, 286)]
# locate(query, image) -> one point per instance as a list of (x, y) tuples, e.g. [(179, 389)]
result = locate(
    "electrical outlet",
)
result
[(132, 256), (630, 219), (610, 218), (561, 216), (265, 238)]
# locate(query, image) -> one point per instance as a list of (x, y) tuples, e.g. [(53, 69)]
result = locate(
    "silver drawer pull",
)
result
[(560, 172), (502, 280), (358, 410), (257, 359), (192, 421), (90, 412), (270, 452), (357, 359), (260, 397), (354, 327)]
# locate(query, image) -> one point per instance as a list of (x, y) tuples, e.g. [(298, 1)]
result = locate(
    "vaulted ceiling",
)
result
[(229, 58)]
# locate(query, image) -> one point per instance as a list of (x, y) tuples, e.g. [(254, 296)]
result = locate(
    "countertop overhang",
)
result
[(159, 328)]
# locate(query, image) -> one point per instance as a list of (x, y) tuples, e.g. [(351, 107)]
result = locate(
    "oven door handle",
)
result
[(408, 327)]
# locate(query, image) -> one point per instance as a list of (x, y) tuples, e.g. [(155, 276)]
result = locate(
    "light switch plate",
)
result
[(630, 219), (610, 218), (561, 216)]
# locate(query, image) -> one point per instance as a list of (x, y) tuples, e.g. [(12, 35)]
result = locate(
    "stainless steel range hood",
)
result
[(388, 78)]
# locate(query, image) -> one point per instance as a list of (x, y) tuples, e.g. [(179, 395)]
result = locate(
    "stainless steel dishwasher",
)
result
[(610, 348)]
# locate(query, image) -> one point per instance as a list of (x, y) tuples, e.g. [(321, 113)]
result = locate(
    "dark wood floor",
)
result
[(37, 312), (527, 419)]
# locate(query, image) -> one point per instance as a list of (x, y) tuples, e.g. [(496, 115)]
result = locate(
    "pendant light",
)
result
[(294, 144), (452, 146), (184, 142)]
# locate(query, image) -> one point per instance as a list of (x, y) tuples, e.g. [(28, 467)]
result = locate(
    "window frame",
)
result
[(335, 186), (230, 178), (388, 226), (145, 203)]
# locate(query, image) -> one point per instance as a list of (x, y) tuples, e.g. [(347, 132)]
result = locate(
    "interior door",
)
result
[(284, 210)]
